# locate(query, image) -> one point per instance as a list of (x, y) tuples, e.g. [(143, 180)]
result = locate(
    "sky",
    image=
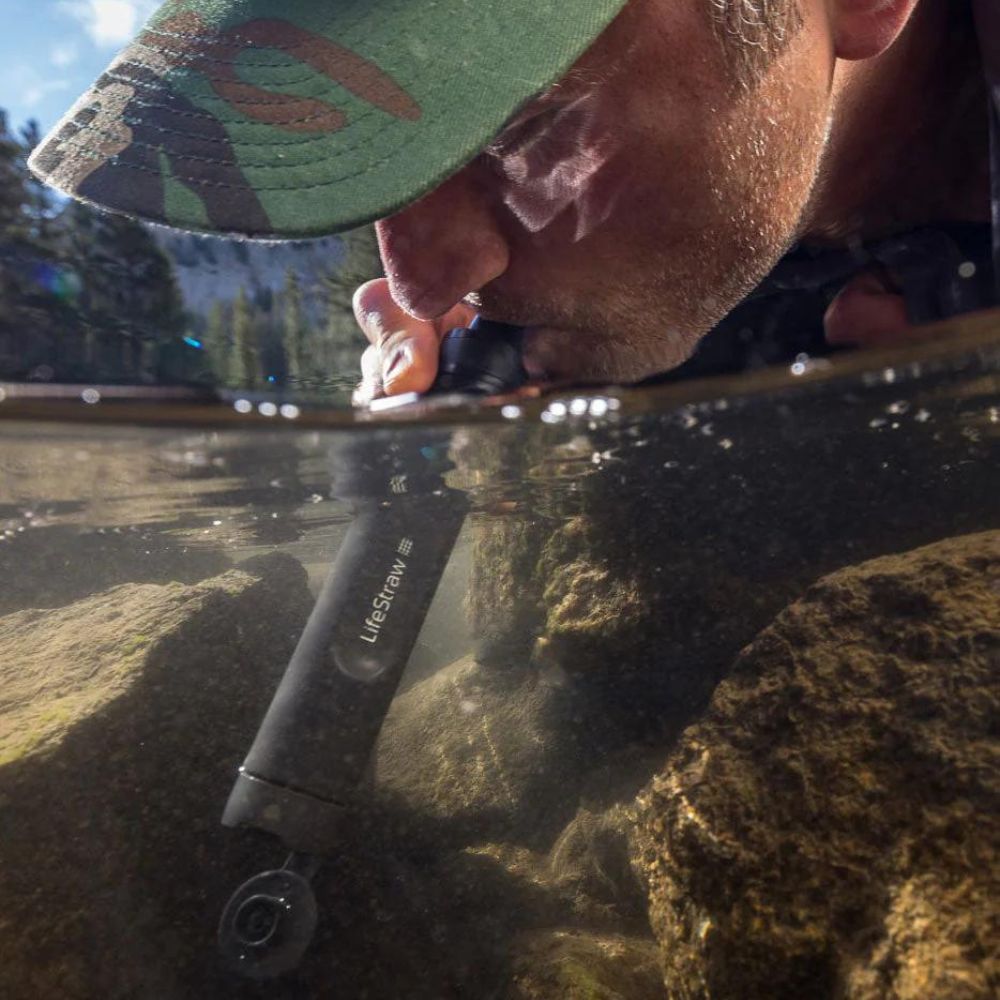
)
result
[(52, 50)]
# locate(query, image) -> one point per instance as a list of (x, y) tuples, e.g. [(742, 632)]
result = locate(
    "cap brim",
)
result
[(283, 119)]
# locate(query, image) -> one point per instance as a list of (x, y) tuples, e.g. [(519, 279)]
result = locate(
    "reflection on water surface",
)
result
[(703, 706)]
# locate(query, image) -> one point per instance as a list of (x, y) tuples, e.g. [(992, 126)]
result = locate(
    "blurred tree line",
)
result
[(263, 336), (88, 296)]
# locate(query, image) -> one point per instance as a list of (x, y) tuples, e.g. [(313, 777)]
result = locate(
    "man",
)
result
[(618, 214), (830, 122)]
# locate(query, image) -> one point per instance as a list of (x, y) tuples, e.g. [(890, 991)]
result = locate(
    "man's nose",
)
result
[(444, 246)]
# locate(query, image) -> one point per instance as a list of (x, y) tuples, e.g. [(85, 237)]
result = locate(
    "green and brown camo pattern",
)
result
[(275, 119), (132, 117)]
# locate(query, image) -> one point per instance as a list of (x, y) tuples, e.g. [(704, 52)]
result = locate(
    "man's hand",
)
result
[(867, 312), (403, 351)]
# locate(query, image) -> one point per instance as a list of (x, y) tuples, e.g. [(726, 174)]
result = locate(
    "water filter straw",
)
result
[(315, 742), (313, 746)]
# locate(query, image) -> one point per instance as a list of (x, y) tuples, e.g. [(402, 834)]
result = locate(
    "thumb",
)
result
[(407, 347)]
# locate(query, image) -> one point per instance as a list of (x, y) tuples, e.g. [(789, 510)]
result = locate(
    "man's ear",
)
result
[(866, 28)]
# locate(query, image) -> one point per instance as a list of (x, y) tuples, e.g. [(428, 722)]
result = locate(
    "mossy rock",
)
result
[(481, 754), (557, 964), (123, 718), (831, 827)]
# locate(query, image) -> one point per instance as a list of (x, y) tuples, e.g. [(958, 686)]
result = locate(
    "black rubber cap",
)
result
[(268, 924), (483, 359)]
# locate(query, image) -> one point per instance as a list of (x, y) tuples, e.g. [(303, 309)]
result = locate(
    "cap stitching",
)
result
[(343, 27), (296, 187), (188, 135), (120, 78), (339, 22), (188, 61), (284, 99), (326, 158), (202, 182), (208, 159), (208, 116), (235, 33), (188, 57)]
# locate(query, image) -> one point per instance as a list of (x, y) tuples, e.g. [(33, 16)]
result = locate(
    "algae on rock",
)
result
[(584, 966), (123, 718), (484, 753), (831, 826)]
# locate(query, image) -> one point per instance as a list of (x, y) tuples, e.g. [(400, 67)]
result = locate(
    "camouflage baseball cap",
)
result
[(293, 118)]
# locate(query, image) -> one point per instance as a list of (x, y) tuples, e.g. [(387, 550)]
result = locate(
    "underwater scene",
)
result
[(648, 648), (603, 694)]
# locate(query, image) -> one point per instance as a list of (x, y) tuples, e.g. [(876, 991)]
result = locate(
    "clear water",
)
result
[(158, 565)]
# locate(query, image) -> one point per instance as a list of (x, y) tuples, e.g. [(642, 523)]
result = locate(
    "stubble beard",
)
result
[(679, 288)]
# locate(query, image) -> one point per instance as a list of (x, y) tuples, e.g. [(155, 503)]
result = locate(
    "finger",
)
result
[(866, 313), (370, 386), (407, 347)]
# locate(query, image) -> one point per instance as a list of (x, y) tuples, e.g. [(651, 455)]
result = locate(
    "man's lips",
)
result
[(549, 351)]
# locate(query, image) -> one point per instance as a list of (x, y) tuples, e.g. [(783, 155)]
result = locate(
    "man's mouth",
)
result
[(536, 358)]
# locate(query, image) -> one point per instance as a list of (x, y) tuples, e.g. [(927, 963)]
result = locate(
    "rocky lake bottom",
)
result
[(706, 706)]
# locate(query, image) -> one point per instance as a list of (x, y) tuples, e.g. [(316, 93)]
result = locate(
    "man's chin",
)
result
[(586, 352), (558, 354)]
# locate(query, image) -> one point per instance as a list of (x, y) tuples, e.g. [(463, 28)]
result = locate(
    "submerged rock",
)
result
[(584, 966), (831, 826), (475, 753), (69, 563), (123, 718)]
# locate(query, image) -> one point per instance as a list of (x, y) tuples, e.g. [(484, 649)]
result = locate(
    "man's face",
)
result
[(624, 212)]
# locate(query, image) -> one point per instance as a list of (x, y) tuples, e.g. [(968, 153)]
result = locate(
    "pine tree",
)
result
[(343, 342), (244, 371), (34, 285), (39, 205), (12, 189), (11, 199), (294, 329), (82, 293), (217, 341), (129, 291)]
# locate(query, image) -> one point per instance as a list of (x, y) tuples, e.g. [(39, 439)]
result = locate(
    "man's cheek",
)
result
[(565, 168)]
